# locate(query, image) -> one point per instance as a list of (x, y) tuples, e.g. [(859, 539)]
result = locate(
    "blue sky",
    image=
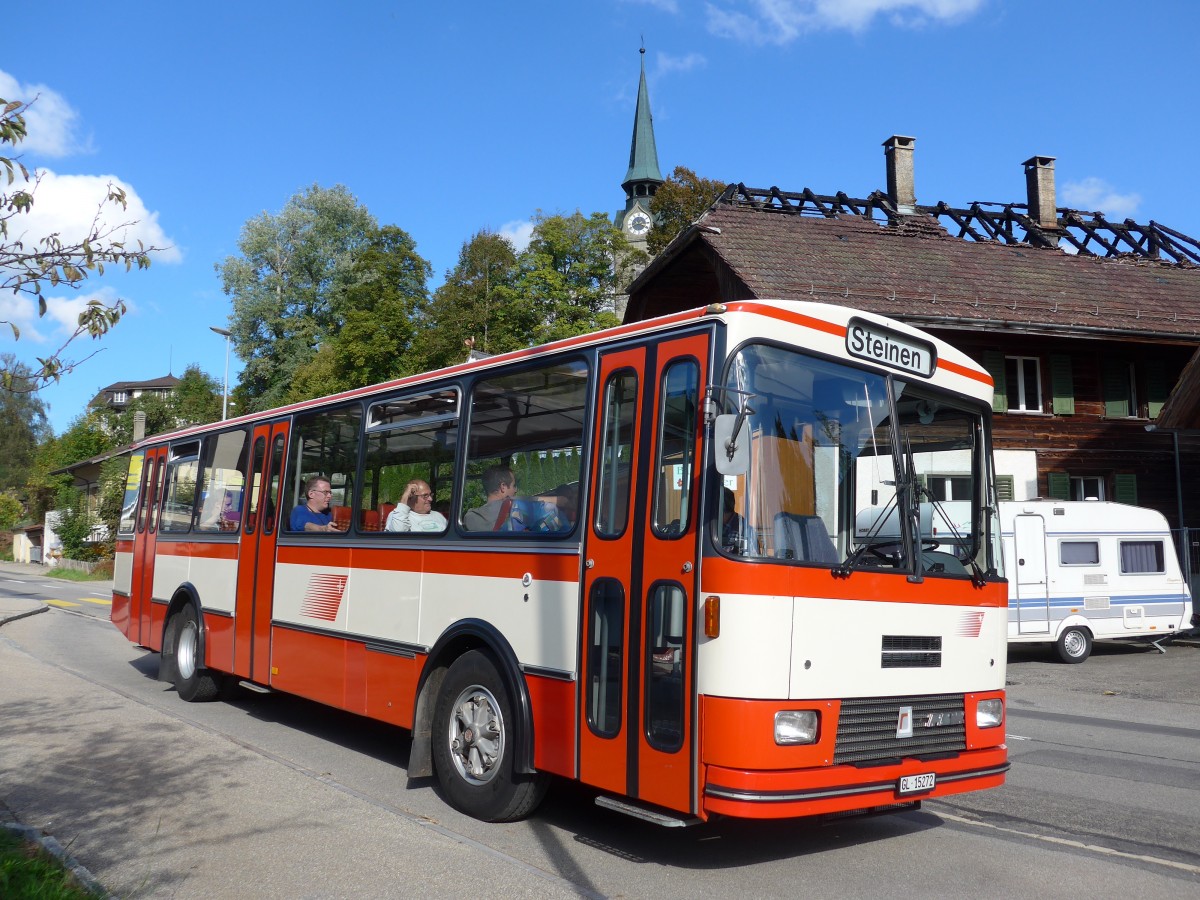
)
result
[(447, 118)]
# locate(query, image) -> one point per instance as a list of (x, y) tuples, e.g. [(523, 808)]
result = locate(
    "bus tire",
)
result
[(193, 683), (1074, 645), (473, 744)]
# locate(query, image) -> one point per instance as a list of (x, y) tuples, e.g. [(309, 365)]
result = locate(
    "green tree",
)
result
[(87, 436), (570, 274), (380, 311), (475, 304), (27, 265), (196, 398), (25, 425), (12, 511), (284, 284), (679, 201)]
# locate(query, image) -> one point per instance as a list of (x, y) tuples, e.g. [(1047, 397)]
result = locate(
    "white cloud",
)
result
[(50, 121), (61, 319), (1097, 195), (666, 64), (518, 233), (67, 204), (783, 21)]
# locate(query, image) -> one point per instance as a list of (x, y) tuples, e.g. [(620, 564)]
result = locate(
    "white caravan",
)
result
[(1078, 571), (1089, 570)]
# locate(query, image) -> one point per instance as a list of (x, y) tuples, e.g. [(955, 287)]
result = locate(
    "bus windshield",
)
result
[(851, 469)]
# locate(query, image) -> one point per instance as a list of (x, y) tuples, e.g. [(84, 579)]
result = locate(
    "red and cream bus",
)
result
[(672, 605)]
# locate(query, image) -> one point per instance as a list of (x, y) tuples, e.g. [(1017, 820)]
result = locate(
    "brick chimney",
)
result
[(1039, 186), (899, 153)]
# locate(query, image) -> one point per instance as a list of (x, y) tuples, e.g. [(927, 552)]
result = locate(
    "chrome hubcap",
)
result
[(185, 650), (476, 735)]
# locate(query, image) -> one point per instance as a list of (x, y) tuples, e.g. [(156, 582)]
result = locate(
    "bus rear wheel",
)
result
[(473, 744), (193, 683), (1074, 645)]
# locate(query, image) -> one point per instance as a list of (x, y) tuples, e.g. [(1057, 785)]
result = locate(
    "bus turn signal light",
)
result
[(712, 617)]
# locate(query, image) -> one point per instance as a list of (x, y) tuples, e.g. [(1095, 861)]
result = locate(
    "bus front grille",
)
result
[(872, 729)]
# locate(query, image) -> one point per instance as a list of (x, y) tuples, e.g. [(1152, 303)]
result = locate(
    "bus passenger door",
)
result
[(638, 674), (142, 588), (668, 515), (1033, 596), (256, 555), (608, 574)]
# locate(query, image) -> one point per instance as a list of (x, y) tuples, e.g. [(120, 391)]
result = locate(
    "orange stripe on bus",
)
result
[(197, 549), (966, 372), (468, 561)]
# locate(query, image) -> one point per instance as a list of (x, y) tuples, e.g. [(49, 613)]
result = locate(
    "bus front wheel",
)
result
[(473, 744), (192, 682), (1074, 645)]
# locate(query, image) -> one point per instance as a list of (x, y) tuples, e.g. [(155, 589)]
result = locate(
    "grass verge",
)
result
[(27, 872), (100, 573)]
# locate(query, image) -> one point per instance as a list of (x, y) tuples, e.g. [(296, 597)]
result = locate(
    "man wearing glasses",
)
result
[(415, 511), (314, 513)]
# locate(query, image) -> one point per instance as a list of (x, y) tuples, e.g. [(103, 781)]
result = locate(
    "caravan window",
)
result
[(1079, 553), (1141, 557)]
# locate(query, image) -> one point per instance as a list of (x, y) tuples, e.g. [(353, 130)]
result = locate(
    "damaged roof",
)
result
[(753, 243)]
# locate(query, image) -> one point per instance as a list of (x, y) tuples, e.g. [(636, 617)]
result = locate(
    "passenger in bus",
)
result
[(314, 514), (415, 511), (500, 484), (735, 536)]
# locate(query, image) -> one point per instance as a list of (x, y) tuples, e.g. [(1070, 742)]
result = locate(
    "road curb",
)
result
[(24, 615), (85, 878)]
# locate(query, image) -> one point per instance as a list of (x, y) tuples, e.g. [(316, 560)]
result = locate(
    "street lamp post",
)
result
[(225, 392)]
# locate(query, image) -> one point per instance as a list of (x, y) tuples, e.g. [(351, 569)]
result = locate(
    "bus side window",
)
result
[(409, 439), (222, 484), (325, 445), (526, 432), (676, 448)]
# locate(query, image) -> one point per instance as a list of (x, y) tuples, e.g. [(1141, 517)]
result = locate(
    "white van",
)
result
[(1089, 570)]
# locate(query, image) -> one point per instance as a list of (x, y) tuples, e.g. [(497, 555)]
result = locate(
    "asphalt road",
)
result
[(271, 796)]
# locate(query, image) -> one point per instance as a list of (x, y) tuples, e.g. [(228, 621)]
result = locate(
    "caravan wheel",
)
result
[(1074, 645)]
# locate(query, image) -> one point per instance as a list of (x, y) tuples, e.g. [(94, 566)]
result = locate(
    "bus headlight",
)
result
[(989, 713), (796, 726)]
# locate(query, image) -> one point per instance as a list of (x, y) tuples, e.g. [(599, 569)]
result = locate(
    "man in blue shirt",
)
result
[(313, 514)]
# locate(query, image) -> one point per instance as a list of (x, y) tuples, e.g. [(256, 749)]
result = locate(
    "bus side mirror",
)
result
[(732, 451)]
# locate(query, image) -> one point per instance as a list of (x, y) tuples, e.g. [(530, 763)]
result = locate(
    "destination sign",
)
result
[(877, 344)]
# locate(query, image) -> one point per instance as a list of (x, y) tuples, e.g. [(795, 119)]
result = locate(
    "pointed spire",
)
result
[(643, 155)]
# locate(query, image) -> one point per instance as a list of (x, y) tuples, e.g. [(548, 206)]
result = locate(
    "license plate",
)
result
[(917, 784)]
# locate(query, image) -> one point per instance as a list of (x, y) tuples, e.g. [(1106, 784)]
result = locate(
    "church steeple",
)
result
[(643, 155), (643, 177)]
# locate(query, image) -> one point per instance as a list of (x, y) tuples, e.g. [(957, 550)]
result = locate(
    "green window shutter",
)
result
[(1116, 389), (1059, 485), (1004, 487), (1063, 385), (1157, 387), (993, 361), (1125, 488)]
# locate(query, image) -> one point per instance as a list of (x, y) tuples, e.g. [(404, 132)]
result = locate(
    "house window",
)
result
[(1120, 390), (949, 487), (120, 397), (1087, 487), (1023, 383)]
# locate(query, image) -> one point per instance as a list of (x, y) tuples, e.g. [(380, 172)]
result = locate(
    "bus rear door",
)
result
[(256, 555)]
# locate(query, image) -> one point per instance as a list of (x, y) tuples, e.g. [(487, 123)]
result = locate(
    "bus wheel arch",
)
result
[(456, 641), (182, 655), (1074, 643)]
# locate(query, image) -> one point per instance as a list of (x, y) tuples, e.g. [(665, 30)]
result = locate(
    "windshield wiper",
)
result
[(844, 568), (977, 574)]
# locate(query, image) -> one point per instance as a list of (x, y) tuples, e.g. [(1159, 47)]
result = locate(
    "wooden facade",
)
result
[(1085, 335)]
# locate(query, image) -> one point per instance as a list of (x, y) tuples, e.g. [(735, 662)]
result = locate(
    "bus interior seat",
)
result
[(371, 521), (803, 538)]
